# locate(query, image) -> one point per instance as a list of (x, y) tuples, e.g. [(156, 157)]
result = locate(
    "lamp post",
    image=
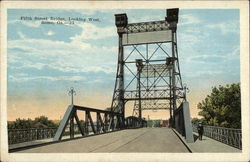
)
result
[(186, 90), (71, 93)]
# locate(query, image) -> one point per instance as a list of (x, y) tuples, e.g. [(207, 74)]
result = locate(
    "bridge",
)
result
[(148, 74), (143, 140), (132, 140)]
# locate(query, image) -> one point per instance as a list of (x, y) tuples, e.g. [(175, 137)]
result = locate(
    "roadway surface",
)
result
[(131, 140)]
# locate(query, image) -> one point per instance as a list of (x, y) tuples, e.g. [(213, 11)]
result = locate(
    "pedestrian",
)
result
[(200, 130)]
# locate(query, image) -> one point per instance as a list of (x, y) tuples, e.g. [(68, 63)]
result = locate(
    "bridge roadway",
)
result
[(130, 140)]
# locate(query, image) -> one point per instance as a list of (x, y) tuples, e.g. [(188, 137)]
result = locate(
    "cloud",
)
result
[(34, 24), (22, 78), (29, 23), (234, 55), (91, 31), (21, 35), (235, 51), (76, 56), (86, 12), (226, 27), (49, 33), (188, 19), (207, 58), (203, 73)]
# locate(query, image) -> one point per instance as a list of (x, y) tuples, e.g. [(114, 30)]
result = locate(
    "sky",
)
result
[(45, 60)]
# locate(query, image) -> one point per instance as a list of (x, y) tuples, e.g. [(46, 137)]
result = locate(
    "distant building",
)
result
[(39, 125), (164, 123)]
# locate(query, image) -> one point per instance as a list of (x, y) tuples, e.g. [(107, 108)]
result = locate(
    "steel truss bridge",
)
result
[(148, 74)]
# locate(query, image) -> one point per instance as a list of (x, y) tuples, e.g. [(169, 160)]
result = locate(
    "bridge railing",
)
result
[(134, 122), (229, 136), (104, 122), (30, 134), (16, 136)]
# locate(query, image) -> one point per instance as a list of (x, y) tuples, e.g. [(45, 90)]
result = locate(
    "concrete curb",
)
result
[(183, 140)]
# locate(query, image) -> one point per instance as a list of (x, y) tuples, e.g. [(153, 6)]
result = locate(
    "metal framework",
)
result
[(101, 124), (148, 71)]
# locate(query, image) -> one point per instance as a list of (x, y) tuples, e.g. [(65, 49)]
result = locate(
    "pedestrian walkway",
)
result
[(208, 145)]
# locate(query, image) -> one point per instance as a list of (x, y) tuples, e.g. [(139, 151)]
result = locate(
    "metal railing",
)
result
[(30, 134), (229, 136), (16, 136)]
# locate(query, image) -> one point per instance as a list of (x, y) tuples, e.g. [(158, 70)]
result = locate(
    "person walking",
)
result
[(200, 130)]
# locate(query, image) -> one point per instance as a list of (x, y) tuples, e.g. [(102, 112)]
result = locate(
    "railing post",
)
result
[(71, 129), (36, 134), (227, 136), (240, 137), (97, 123), (86, 122), (106, 122)]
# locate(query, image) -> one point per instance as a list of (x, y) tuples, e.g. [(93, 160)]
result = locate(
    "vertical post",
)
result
[(91, 123), (97, 122), (71, 93), (106, 122), (170, 100), (172, 19), (71, 129), (86, 122), (121, 22), (121, 75), (72, 125), (173, 76), (111, 117), (139, 88), (185, 93), (139, 66)]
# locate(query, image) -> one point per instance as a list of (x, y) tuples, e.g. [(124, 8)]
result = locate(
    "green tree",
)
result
[(28, 123), (222, 107), (196, 121), (150, 123), (44, 120), (20, 124)]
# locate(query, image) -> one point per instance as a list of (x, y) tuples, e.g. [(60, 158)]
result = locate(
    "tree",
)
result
[(196, 121), (44, 120), (222, 107), (20, 124), (28, 123)]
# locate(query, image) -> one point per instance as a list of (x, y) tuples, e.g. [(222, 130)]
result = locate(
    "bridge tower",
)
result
[(148, 71)]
